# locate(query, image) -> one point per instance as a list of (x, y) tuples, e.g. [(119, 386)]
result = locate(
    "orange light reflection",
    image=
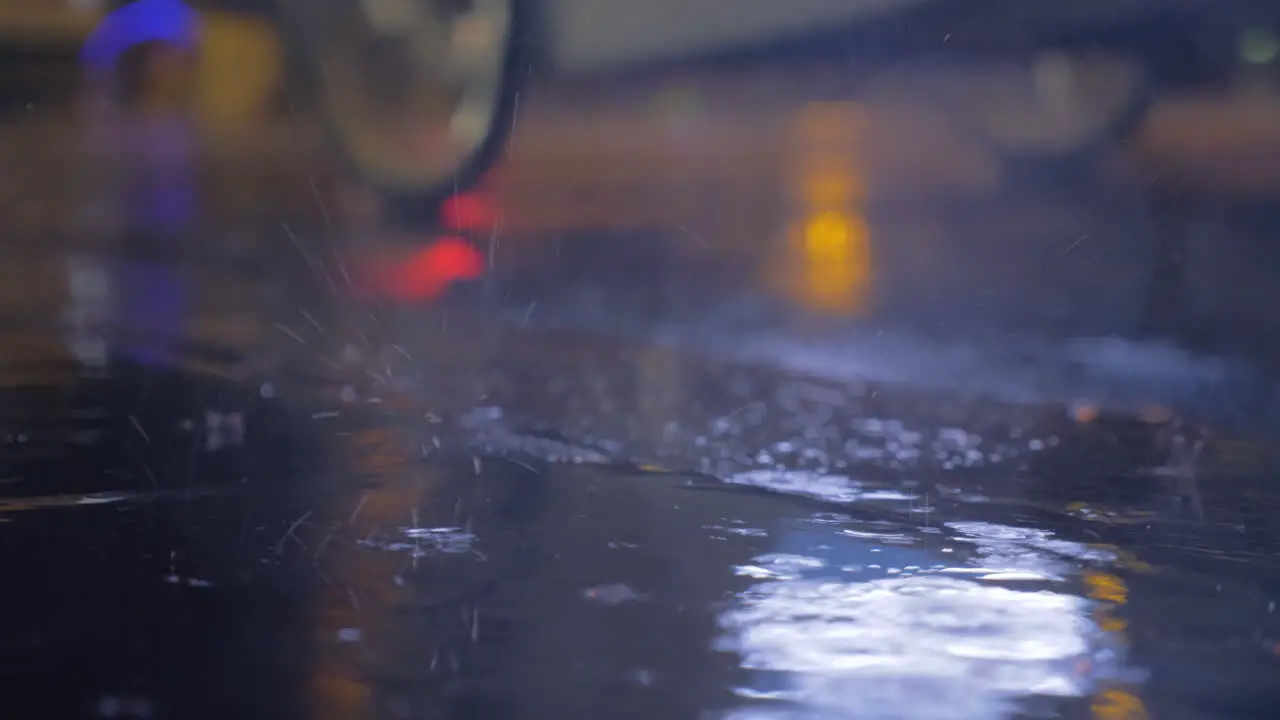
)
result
[(829, 254), (1112, 703), (837, 267)]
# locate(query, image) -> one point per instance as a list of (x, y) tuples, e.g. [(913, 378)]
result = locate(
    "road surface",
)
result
[(622, 474)]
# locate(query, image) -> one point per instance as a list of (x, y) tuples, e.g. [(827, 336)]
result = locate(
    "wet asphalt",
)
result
[(240, 480)]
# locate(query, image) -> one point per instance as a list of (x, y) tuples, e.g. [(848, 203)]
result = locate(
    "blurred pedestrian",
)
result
[(138, 66)]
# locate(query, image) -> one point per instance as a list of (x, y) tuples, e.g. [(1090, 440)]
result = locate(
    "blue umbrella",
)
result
[(170, 21)]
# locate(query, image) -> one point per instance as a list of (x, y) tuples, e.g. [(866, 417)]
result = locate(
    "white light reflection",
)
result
[(923, 641), (822, 486), (425, 541), (917, 648), (1026, 550)]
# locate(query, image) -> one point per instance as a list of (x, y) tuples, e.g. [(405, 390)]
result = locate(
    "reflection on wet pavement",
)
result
[(238, 484), (592, 528)]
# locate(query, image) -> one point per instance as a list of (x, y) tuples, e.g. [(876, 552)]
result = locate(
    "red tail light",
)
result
[(428, 273)]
